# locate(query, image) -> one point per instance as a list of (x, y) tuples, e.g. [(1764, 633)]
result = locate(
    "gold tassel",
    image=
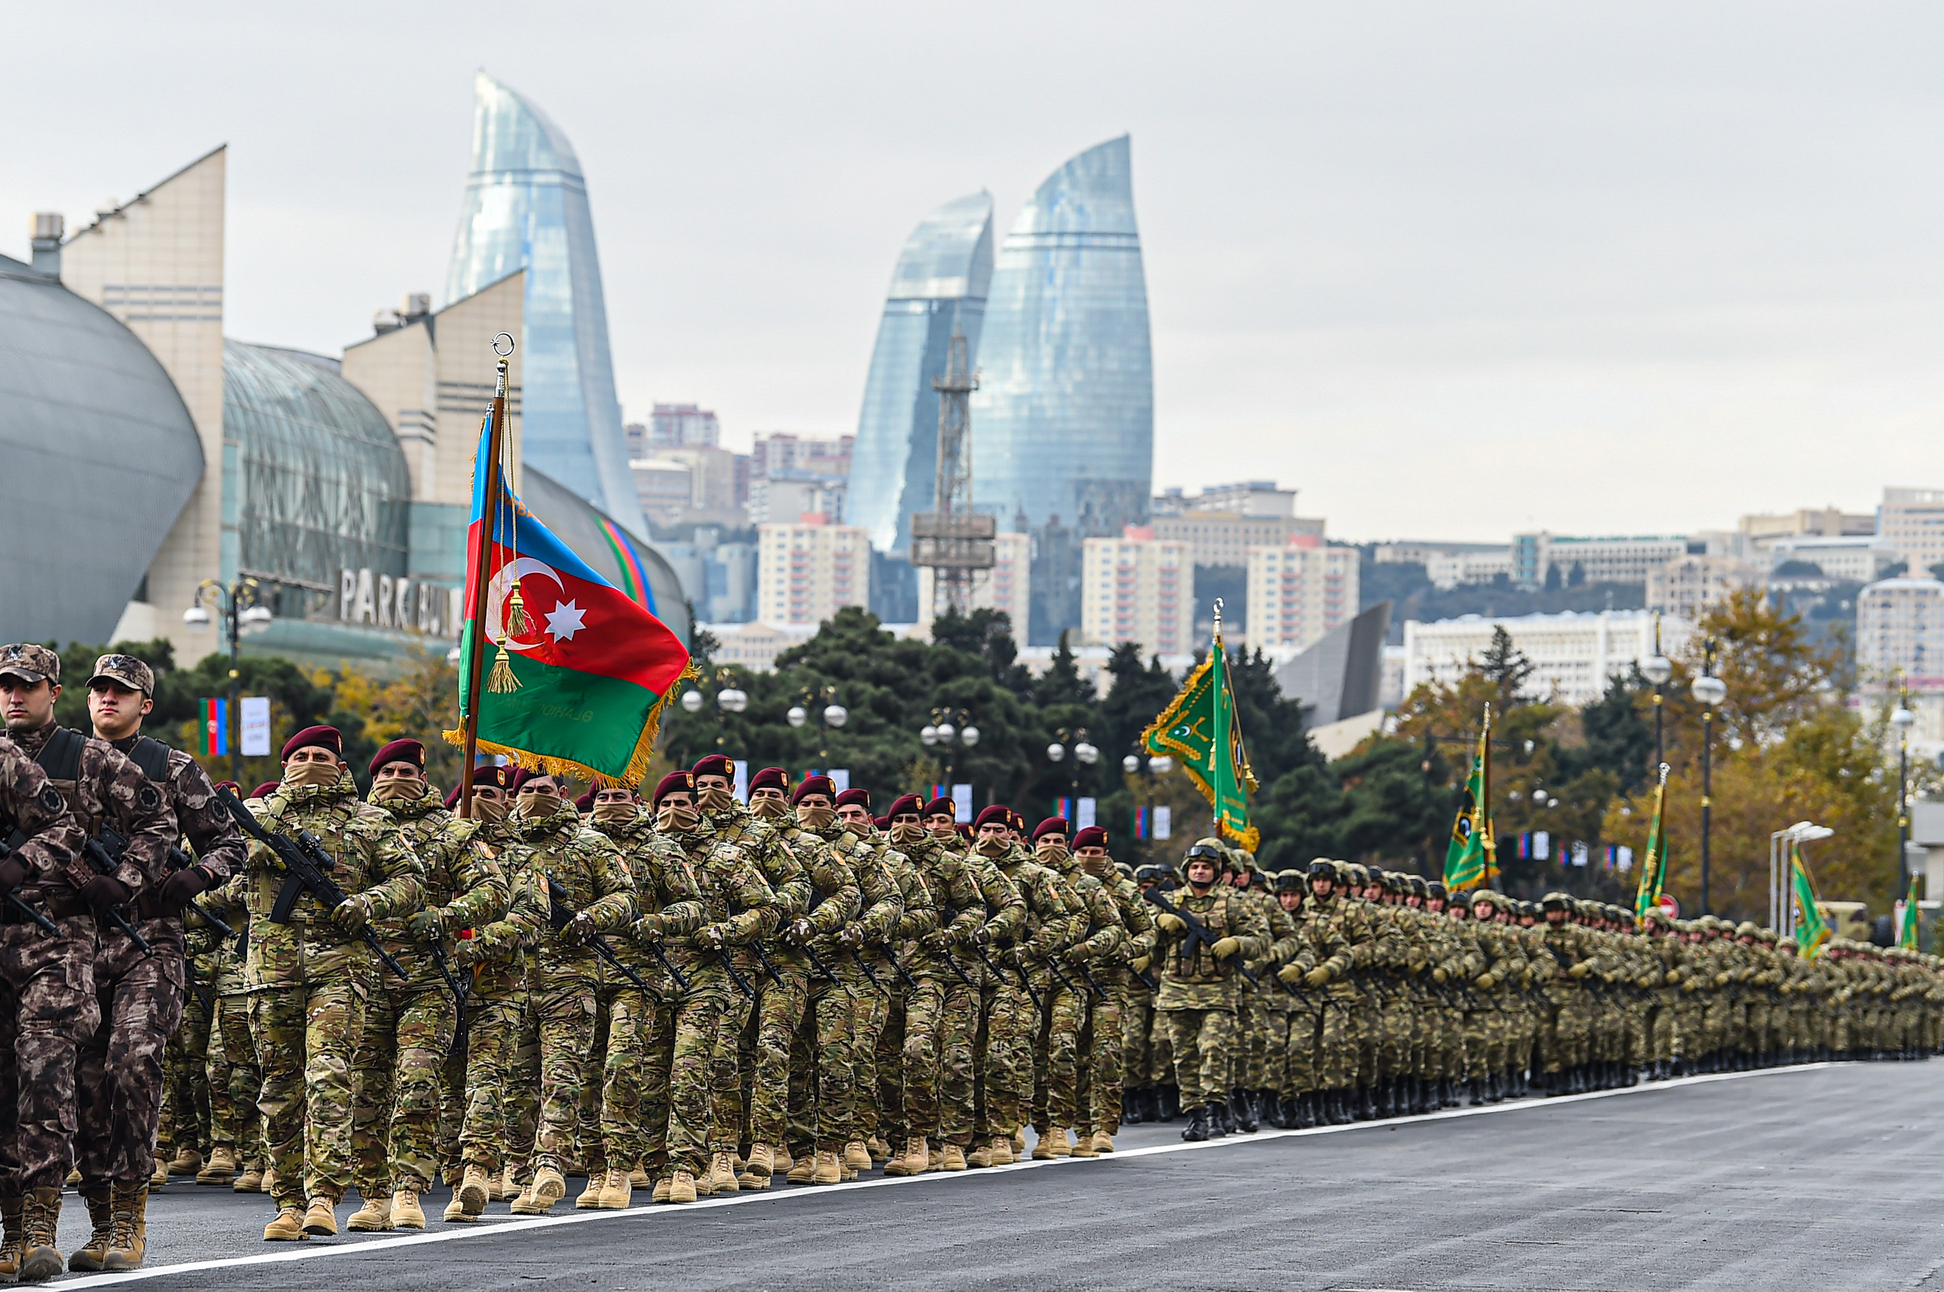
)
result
[(517, 623), (501, 679)]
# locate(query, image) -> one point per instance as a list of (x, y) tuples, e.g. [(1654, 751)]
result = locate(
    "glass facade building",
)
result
[(526, 207), (1063, 420), (940, 283)]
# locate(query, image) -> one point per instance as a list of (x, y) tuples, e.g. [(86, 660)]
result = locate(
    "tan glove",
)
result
[(1226, 947), (1439, 975), (1139, 964), (1171, 922), (351, 914), (1319, 975), (1291, 974), (1487, 980), (1579, 970)]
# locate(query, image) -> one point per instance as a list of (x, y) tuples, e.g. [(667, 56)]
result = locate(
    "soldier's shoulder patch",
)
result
[(484, 849), (51, 800), (147, 797)]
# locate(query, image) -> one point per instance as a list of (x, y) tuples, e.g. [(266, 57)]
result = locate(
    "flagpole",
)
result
[(1484, 807), (482, 559)]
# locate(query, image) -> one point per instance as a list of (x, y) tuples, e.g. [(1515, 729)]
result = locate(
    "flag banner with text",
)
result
[(1199, 729)]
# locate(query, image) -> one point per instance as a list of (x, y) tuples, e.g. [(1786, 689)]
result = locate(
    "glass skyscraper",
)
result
[(940, 283), (526, 207), (1063, 420)]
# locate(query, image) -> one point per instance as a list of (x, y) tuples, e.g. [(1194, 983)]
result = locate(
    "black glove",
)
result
[(101, 892), (13, 872), (182, 888)]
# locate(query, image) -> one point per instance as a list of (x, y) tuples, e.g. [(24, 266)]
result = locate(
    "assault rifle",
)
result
[(1198, 934), (561, 913), (102, 864), (307, 869), (14, 900)]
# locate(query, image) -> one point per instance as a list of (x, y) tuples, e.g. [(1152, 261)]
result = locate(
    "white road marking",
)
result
[(316, 1250)]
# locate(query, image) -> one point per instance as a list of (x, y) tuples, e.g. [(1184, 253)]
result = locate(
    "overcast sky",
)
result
[(1448, 269)]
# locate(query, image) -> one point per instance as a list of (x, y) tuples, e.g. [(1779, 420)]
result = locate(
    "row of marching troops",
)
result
[(687, 995)]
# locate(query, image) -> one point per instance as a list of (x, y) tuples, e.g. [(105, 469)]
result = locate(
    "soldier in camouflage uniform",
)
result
[(410, 1025), (1098, 937), (235, 1129), (589, 884), (1104, 1075), (310, 979), (1199, 979), (118, 1072), (1338, 1038)]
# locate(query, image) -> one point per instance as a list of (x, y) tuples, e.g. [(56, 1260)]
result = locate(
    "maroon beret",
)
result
[(585, 803), (324, 737), (965, 829), (814, 785), (941, 807), (1052, 825), (1093, 836), (264, 788), (861, 797), (232, 786), (997, 814), (715, 765), (452, 800), (770, 778), (500, 775), (1017, 822), (402, 750), (524, 774), (908, 805), (676, 782)]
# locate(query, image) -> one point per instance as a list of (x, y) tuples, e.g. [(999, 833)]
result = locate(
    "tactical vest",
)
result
[(60, 758), (1203, 966)]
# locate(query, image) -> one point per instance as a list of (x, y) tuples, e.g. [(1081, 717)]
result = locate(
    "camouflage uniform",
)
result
[(883, 1073), (309, 981), (1013, 1023), (232, 1071), (498, 955), (1198, 993), (1101, 939), (409, 1025)]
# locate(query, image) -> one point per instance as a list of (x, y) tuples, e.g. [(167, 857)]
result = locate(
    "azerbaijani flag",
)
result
[(216, 732), (591, 664)]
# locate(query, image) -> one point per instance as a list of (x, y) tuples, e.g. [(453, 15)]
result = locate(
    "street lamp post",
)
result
[(1084, 754), (950, 728), (1657, 669), (1710, 691), (833, 714), (1903, 720), (241, 606)]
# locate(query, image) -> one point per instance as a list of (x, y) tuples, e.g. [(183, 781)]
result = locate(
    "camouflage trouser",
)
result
[(187, 1117), (1366, 1033), (874, 1011), (1336, 1045), (305, 1037), (917, 1059), (958, 1046), (47, 1009), (1275, 1061), (1299, 1051), (704, 1086), (452, 1090), (561, 1014), (823, 1065), (1056, 1056), (1395, 1029), (886, 1100), (118, 1073), (1137, 1022), (1103, 1059), (1011, 1025), (628, 1103), (521, 1100), (492, 1038), (1202, 1040), (778, 1014), (234, 1080), (395, 1074), (589, 1155), (1484, 1035)]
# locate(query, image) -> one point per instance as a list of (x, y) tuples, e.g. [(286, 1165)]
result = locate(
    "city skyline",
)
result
[(1363, 245)]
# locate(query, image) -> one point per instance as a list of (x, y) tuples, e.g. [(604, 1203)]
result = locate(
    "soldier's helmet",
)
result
[(1746, 929), (1323, 868), (1418, 885), (1435, 889), (1148, 875), (1289, 881), (1556, 901), (1486, 897)]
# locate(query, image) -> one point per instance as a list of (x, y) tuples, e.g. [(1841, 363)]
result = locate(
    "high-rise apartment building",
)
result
[(1299, 591), (1913, 522), (1573, 655), (807, 572), (1137, 588), (1900, 633), (938, 286), (1063, 420), (526, 208), (1691, 585)]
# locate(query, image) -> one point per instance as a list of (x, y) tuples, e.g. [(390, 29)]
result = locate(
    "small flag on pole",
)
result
[(216, 732), (1811, 930), (1907, 932)]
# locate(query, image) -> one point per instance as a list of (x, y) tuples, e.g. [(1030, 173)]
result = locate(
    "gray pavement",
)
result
[(1804, 1178)]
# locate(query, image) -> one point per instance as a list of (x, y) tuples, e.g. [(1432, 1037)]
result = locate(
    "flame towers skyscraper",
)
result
[(526, 207)]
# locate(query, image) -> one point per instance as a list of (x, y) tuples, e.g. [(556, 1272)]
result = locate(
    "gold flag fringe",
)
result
[(548, 765)]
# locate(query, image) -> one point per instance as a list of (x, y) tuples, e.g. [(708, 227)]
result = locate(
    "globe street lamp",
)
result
[(1903, 720), (729, 698), (1710, 691), (949, 728), (1084, 755), (833, 714), (243, 613)]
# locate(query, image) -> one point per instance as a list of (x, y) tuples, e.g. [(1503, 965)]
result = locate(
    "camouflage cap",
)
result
[(125, 669), (30, 663)]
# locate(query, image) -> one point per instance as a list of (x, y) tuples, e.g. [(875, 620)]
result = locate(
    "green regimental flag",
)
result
[(1907, 933), (1469, 860), (1811, 930), (1199, 728), (1653, 867)]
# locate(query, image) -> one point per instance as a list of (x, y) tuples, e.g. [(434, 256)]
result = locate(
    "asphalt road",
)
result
[(1806, 1178)]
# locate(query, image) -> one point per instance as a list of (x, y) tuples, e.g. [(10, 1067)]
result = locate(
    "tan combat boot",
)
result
[(373, 1218), (857, 1156), (638, 1178), (659, 1193), (954, 1158), (549, 1187), (681, 1187), (1082, 1145), (617, 1191), (320, 1218), (161, 1176), (186, 1161), (269, 1179), (220, 1168), (934, 1158), (405, 1210), (250, 1181), (1003, 1153), (590, 1197), (980, 1156), (829, 1168), (475, 1191), (39, 1258), (1052, 1144), (16, 1238), (508, 1185), (456, 1213), (879, 1150), (1103, 1142), (101, 1214), (802, 1170), (1018, 1142), (288, 1227), (762, 1165), (129, 1245), (722, 1174), (73, 1177), (781, 1163)]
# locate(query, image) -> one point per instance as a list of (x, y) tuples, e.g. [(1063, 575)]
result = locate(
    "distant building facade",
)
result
[(1689, 586), (1900, 633), (1574, 655), (808, 571), (1300, 591), (1613, 559), (1138, 588), (1912, 521), (1007, 586)]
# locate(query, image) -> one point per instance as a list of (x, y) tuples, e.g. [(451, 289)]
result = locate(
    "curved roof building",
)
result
[(940, 283), (1063, 420), (610, 550), (526, 207), (101, 454)]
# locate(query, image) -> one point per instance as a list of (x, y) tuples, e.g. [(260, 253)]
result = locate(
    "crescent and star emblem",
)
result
[(562, 622)]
